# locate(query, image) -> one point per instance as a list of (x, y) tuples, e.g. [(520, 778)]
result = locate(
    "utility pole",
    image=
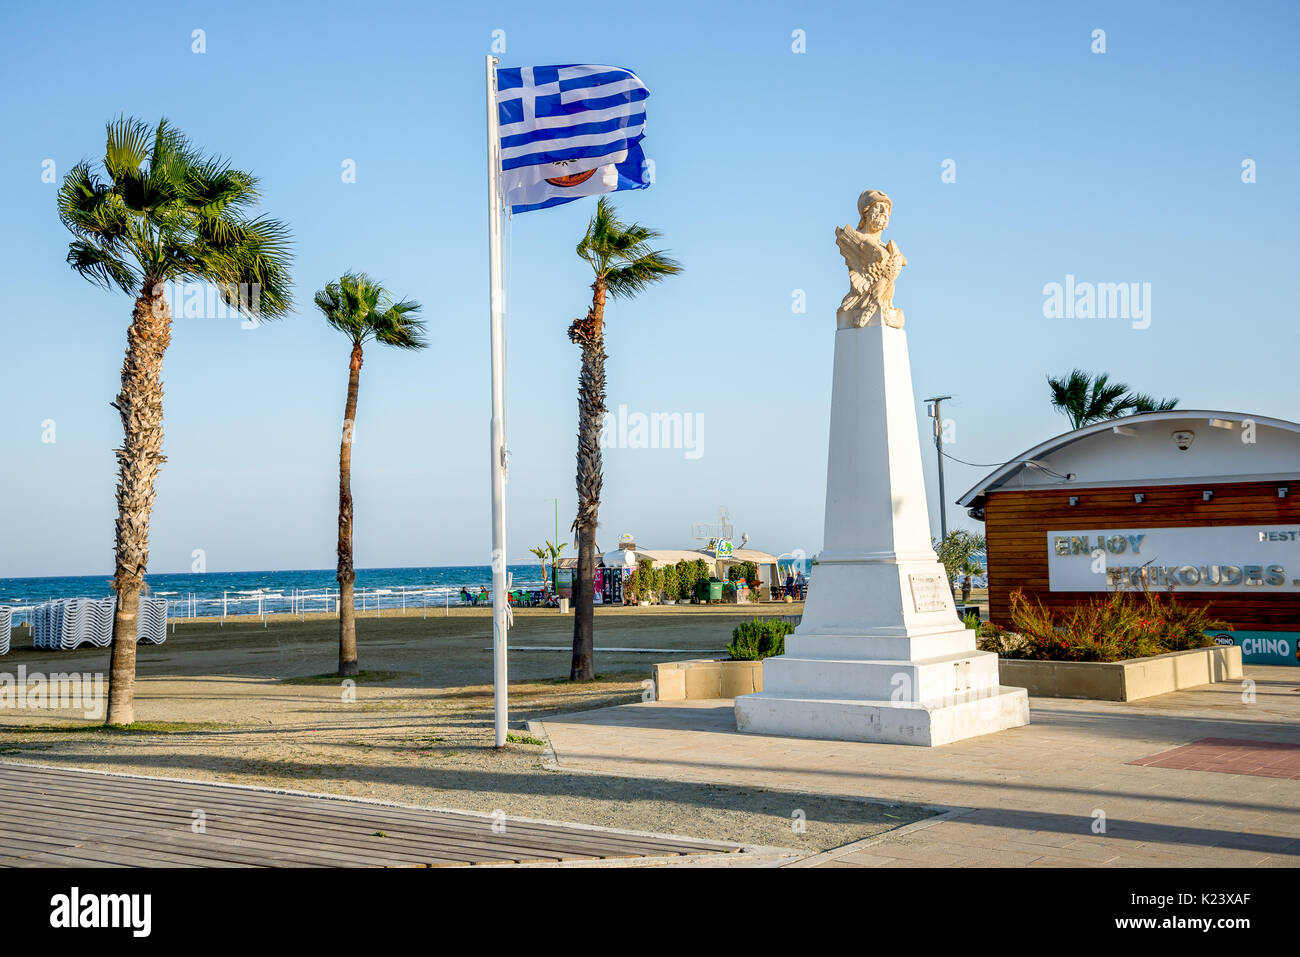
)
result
[(934, 407)]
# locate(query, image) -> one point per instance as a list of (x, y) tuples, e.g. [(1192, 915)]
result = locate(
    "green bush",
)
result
[(759, 638), (685, 580), (670, 584)]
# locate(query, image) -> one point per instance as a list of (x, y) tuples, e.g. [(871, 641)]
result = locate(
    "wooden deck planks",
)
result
[(56, 817)]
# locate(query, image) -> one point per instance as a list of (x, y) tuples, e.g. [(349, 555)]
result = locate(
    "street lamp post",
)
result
[(934, 407)]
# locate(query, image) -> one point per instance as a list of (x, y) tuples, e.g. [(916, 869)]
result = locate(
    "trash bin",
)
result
[(564, 606), (710, 590)]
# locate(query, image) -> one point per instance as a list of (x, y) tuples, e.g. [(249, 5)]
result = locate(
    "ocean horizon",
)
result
[(276, 590)]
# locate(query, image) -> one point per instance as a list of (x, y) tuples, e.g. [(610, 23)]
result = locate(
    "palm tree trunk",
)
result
[(140, 406), (589, 334), (347, 574)]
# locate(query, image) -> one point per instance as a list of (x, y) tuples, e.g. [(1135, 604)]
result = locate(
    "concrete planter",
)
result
[(1123, 680), (705, 678)]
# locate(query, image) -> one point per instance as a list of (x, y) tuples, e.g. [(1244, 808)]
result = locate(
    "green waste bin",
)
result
[(710, 590)]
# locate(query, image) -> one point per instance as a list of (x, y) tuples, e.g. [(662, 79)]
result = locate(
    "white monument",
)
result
[(880, 654)]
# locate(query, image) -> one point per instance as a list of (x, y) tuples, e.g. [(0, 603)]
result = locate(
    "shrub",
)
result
[(685, 579), (759, 638), (1123, 625), (670, 585)]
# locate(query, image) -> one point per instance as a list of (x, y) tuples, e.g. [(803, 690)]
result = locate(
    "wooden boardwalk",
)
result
[(63, 818)]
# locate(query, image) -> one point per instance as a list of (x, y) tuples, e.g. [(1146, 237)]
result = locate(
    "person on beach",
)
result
[(483, 594), (789, 583), (802, 584), (464, 595)]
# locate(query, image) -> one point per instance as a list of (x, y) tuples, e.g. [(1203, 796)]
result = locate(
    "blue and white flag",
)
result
[(568, 132)]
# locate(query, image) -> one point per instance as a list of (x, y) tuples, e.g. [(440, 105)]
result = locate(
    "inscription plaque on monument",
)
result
[(929, 592)]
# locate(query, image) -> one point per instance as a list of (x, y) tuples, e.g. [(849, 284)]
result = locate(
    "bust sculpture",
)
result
[(873, 266)]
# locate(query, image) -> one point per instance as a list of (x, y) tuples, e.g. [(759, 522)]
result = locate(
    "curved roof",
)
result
[(1106, 453)]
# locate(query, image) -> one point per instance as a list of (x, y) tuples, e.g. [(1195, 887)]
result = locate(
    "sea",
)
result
[(258, 592)]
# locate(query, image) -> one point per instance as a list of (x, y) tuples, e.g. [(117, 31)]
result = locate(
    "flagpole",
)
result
[(500, 600)]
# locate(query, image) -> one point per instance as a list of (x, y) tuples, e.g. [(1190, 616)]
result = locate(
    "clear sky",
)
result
[(1122, 166)]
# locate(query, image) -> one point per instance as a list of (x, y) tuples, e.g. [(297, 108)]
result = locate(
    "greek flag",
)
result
[(568, 132)]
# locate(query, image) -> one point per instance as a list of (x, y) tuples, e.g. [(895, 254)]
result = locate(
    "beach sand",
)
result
[(423, 736)]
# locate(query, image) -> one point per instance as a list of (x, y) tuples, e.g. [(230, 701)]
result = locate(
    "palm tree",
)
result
[(968, 570), (957, 551), (1085, 398), (161, 211), (620, 256), (1141, 402), (554, 551), (362, 310), (541, 554)]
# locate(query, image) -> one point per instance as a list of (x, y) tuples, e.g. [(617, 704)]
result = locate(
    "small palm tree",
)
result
[(1085, 398), (161, 211), (362, 310), (541, 554), (956, 551), (969, 569), (620, 256), (554, 551)]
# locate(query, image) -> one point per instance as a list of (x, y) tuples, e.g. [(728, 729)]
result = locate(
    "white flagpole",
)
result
[(500, 600)]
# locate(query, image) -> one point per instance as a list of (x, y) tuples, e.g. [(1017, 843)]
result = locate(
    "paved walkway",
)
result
[(56, 817), (1036, 796)]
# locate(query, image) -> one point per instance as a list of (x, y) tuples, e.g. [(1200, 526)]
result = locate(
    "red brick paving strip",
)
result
[(1268, 759)]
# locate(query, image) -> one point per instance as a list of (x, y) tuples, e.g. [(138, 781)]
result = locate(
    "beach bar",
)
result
[(1204, 504)]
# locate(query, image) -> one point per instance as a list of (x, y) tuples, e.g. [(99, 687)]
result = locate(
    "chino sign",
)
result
[(1257, 559)]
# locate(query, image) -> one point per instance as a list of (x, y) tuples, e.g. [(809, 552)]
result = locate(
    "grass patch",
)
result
[(361, 678), (524, 739), (138, 727)]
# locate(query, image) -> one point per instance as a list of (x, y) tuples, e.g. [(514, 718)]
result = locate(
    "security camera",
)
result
[(1183, 439)]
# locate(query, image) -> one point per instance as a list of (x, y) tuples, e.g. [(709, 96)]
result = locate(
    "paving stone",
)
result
[(1031, 792)]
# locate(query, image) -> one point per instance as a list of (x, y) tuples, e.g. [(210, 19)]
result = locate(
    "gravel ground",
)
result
[(420, 732)]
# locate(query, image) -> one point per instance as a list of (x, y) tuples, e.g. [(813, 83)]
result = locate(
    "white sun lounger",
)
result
[(67, 623)]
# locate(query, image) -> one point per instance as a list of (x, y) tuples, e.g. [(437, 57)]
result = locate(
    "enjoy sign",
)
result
[(1228, 558)]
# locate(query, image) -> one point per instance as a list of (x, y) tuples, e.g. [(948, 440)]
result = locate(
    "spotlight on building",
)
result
[(1207, 495), (1139, 497)]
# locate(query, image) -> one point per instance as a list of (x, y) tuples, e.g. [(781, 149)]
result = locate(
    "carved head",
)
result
[(874, 208)]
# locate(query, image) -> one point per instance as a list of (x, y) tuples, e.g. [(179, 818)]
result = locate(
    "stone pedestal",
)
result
[(880, 654)]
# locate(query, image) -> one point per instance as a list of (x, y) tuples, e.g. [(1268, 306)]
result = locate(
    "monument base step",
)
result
[(885, 722)]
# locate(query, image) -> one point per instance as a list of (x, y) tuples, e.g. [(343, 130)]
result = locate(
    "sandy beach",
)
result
[(230, 703)]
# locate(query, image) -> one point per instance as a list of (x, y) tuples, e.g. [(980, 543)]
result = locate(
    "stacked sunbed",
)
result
[(6, 624), (67, 623)]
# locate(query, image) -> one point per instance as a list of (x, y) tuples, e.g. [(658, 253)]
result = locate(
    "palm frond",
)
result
[(167, 211), (362, 309), (126, 147), (624, 282), (101, 267), (1141, 402), (620, 253)]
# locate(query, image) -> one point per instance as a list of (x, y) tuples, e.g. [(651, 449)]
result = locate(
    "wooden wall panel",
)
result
[(1016, 523)]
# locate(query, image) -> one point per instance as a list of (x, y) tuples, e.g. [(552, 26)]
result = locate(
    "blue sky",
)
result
[(1116, 167)]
